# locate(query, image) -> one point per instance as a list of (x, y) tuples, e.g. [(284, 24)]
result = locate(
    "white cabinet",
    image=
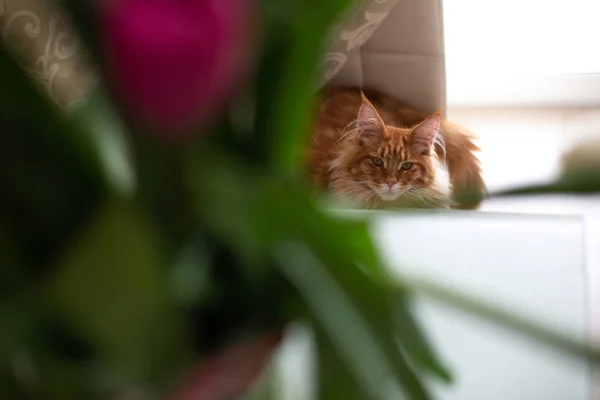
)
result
[(532, 265)]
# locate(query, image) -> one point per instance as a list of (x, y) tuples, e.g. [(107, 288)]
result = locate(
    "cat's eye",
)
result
[(378, 162), (406, 166)]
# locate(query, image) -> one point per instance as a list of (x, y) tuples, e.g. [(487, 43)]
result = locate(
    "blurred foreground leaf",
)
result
[(353, 340), (581, 180), (246, 217), (240, 205), (47, 185), (298, 30), (103, 135), (332, 370), (545, 335), (413, 340), (112, 289), (92, 136)]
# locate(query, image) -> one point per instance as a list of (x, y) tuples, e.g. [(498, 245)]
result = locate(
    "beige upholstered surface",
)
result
[(404, 56), (354, 29)]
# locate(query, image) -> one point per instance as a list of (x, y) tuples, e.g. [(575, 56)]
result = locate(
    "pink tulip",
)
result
[(174, 63)]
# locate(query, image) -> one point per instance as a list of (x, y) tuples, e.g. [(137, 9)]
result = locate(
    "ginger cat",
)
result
[(376, 152)]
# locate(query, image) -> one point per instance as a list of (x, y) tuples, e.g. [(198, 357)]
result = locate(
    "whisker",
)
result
[(423, 201), (422, 196)]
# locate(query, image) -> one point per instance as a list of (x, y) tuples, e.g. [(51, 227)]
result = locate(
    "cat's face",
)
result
[(384, 163)]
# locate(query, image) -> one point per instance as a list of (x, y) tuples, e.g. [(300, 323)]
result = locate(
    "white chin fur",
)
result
[(388, 196)]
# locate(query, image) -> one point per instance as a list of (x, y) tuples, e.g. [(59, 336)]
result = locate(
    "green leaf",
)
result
[(340, 244), (17, 321), (10, 262), (113, 289), (454, 299), (92, 135), (362, 347), (47, 184), (162, 188), (391, 320), (190, 275), (248, 217), (223, 198), (332, 370), (302, 218), (413, 340), (297, 31), (19, 96), (102, 137), (239, 202), (375, 304), (581, 179)]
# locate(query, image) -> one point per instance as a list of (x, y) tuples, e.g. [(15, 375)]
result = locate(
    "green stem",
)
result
[(517, 324)]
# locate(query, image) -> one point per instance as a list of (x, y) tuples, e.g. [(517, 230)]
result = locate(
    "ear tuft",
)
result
[(369, 122), (424, 134)]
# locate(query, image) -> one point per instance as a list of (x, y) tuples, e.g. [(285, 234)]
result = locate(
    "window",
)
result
[(522, 52)]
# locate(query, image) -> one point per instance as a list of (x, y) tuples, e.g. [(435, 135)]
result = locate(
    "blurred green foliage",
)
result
[(118, 271)]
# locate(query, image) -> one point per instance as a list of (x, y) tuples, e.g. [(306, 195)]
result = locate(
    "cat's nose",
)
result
[(391, 183)]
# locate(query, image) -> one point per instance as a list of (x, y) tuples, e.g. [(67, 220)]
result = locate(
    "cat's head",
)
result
[(384, 163)]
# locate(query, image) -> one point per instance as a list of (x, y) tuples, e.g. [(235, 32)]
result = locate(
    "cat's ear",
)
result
[(423, 135), (369, 122)]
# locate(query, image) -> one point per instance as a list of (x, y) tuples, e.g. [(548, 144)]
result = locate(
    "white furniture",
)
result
[(531, 265)]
